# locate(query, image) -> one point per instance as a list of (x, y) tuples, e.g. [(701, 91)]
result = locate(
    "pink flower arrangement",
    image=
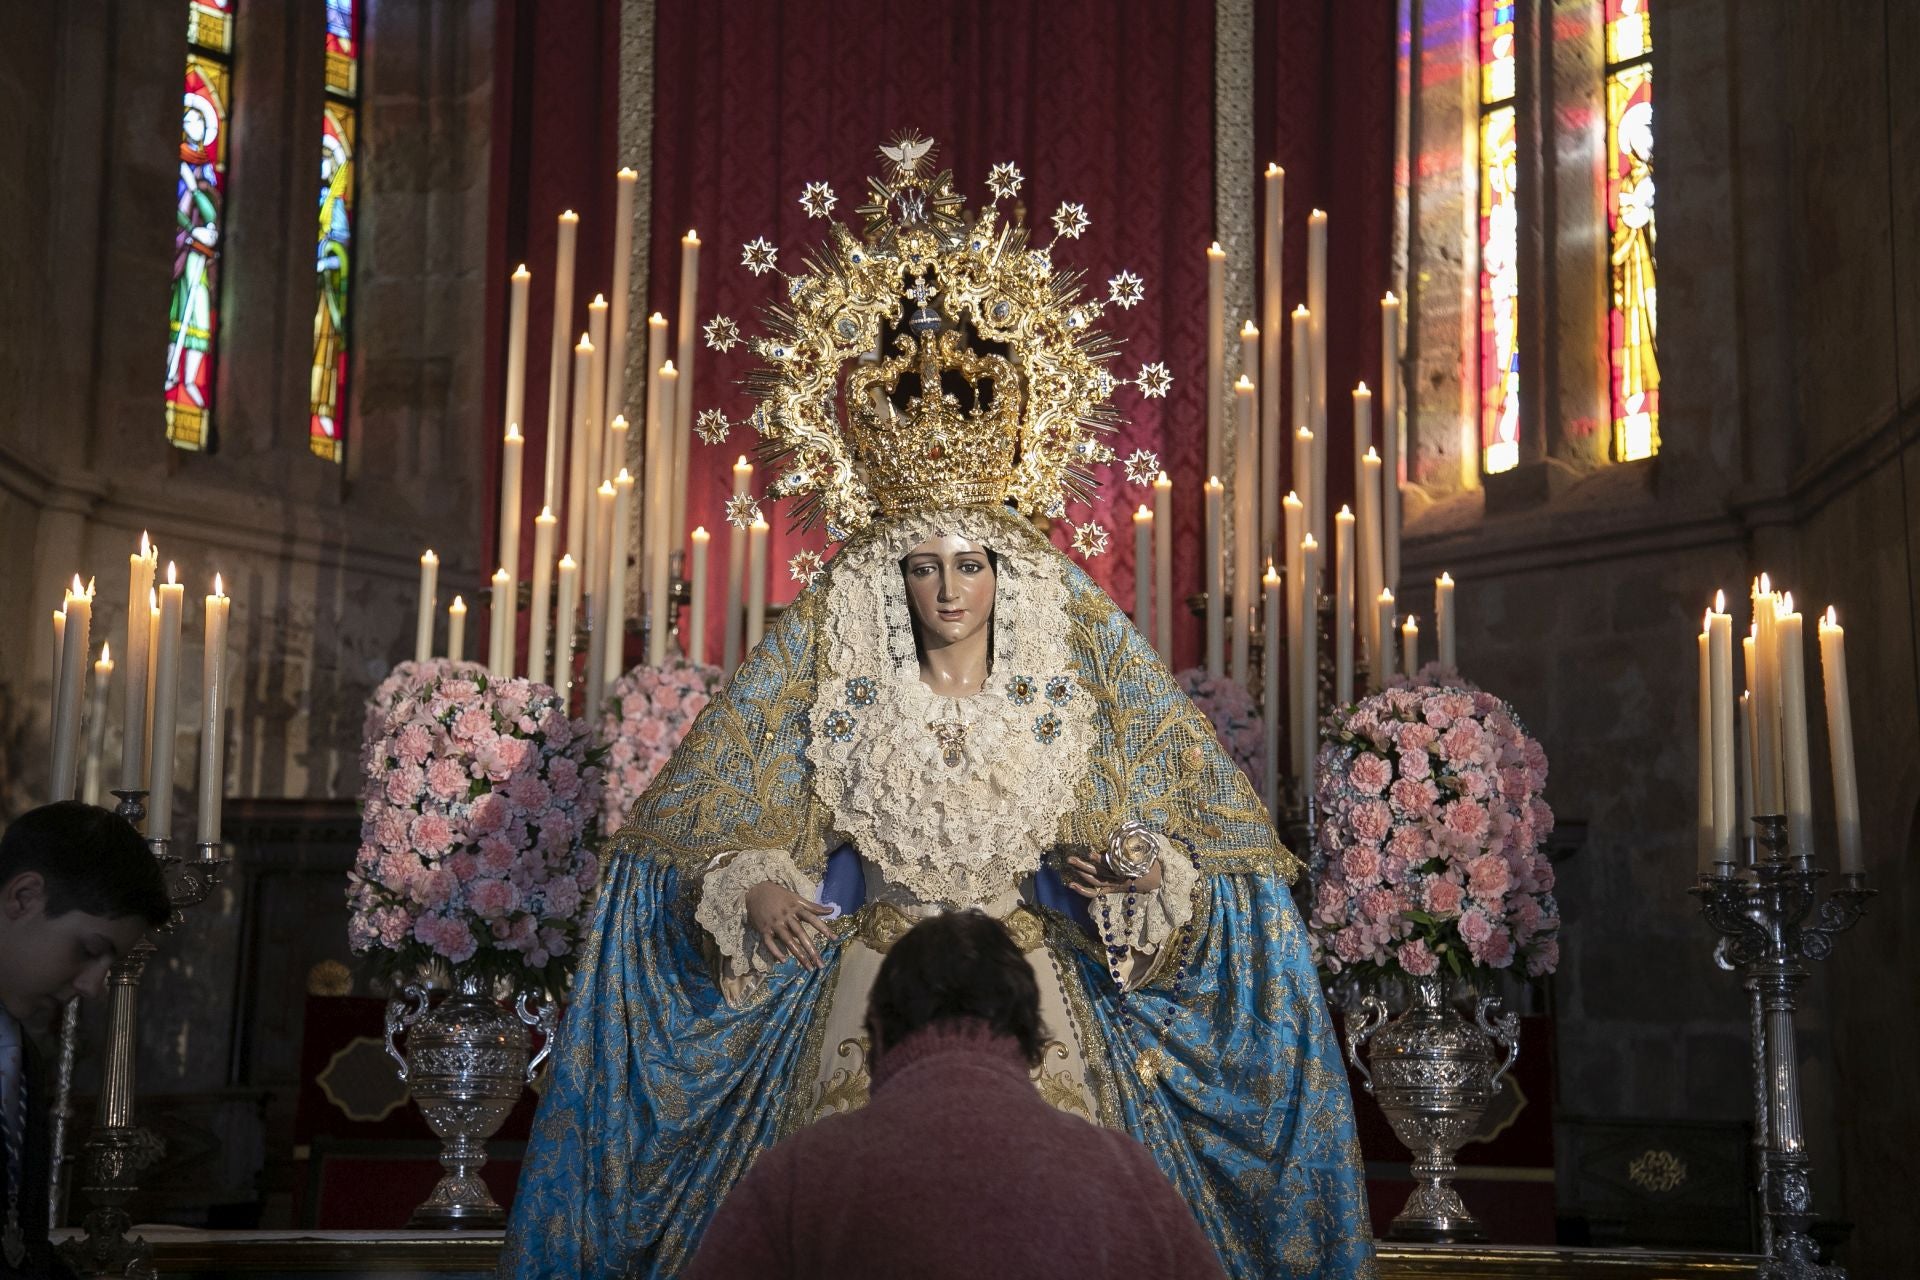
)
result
[(1235, 719), (1428, 847), (649, 711), (480, 803)]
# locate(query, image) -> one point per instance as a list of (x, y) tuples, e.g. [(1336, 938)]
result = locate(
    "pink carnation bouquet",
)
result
[(649, 711), (479, 806), (1235, 719), (1428, 846)]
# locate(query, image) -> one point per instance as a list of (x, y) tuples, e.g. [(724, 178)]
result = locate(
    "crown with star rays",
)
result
[(935, 357)]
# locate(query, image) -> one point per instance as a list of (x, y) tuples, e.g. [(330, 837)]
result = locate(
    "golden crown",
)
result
[(936, 359)]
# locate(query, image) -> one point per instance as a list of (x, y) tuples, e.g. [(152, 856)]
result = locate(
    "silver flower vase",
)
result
[(466, 1062), (1433, 1073)]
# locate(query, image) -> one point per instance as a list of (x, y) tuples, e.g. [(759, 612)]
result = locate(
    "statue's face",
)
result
[(949, 588)]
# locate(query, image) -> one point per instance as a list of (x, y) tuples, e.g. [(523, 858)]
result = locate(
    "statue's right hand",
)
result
[(781, 917)]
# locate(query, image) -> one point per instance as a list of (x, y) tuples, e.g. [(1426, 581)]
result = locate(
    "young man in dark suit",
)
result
[(78, 888)]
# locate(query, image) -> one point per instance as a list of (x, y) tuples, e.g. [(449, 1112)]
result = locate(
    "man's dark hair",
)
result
[(92, 859), (962, 964)]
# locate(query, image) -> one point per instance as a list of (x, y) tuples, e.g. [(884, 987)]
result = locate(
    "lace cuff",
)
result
[(1157, 916), (723, 904)]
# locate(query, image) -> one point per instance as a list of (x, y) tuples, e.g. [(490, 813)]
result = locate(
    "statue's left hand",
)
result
[(1087, 880)]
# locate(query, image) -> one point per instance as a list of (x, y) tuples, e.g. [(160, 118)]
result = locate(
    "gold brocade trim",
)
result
[(881, 924), (1099, 1066)]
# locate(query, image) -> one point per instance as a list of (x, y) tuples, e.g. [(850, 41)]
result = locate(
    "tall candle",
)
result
[(542, 606), (624, 183), (1796, 766), (736, 572), (1294, 523), (683, 397), (1257, 462), (615, 655), (166, 701), (1703, 806), (1410, 637), (568, 588), (1750, 651), (153, 648), (1343, 599), (500, 613), (423, 619), (1271, 336), (603, 500), (1143, 571), (518, 287), (133, 763), (1216, 657), (656, 485), (97, 726), (1720, 667), (71, 691), (1270, 682), (1443, 618), (661, 612), (569, 227), (1382, 652), (756, 583), (697, 579), (512, 453), (213, 741), (579, 512), (1392, 456), (1743, 767), (457, 630), (1216, 358), (1302, 338), (598, 464), (1846, 782), (1163, 567), (53, 681), (1363, 428), (1317, 308), (1366, 547), (1308, 734), (1245, 479), (617, 459), (1303, 468)]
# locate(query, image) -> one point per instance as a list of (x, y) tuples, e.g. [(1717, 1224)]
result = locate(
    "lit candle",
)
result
[(1382, 664), (519, 285), (1272, 318), (1394, 469), (697, 578), (617, 458), (1163, 567), (213, 742), (569, 227), (1366, 545), (1846, 782), (1750, 651), (166, 701), (133, 761), (70, 690), (500, 625), (1343, 599), (756, 583), (53, 681), (1443, 619), (1743, 765), (1703, 808), (1263, 452), (1216, 581), (1317, 328), (1303, 470), (1302, 334), (660, 614), (1294, 522), (1410, 637), (563, 617), (736, 572), (603, 500), (683, 398), (615, 655), (579, 512), (512, 454), (1216, 357), (1143, 572), (598, 466), (423, 620), (1246, 478), (97, 725), (542, 603), (657, 483), (1307, 736), (1720, 668), (457, 630), (153, 648), (1796, 766), (1270, 680), (1362, 426), (624, 183)]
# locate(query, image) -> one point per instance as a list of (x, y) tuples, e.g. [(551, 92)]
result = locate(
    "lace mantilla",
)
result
[(954, 800)]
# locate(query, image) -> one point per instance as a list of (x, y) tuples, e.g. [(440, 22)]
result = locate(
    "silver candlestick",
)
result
[(1771, 922)]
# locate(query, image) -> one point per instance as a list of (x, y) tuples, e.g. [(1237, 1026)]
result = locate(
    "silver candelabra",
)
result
[(1772, 921)]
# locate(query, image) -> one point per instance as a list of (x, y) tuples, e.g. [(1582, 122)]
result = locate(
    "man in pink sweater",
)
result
[(957, 1167)]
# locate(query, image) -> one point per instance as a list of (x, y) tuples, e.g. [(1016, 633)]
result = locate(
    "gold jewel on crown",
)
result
[(935, 359)]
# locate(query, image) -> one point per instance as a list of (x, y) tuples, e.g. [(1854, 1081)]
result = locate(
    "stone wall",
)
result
[(1789, 184)]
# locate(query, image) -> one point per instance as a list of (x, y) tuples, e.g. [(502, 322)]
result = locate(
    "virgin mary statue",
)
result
[(952, 716)]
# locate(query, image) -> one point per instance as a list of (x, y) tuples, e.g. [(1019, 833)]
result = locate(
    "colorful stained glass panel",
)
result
[(210, 25), (199, 202), (1499, 292), (332, 262), (1629, 34), (343, 47), (1633, 318), (1496, 51)]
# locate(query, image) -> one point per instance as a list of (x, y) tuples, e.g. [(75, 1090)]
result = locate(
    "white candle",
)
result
[(1303, 468), (457, 630), (660, 613), (1720, 669), (512, 454), (1260, 455), (1343, 599), (70, 691), (1766, 704), (1793, 731), (1216, 582), (615, 656), (133, 763), (1703, 806), (1272, 318), (542, 605), (1743, 768), (1443, 619), (683, 398), (423, 620), (1393, 458), (519, 285), (1270, 678), (1302, 337), (153, 648), (656, 485), (1366, 546), (569, 592), (213, 741), (736, 572), (569, 227), (603, 500), (1362, 425), (500, 622), (624, 183), (1317, 309), (579, 511), (1216, 357), (53, 681), (617, 460), (1244, 482), (1410, 637), (697, 578), (598, 464), (1382, 653), (1846, 782), (1308, 734), (1750, 651), (97, 725), (756, 583), (1163, 567), (1143, 572), (166, 701), (1294, 523)]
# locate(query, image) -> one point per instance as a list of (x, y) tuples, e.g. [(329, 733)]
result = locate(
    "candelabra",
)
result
[(1772, 922), (118, 1149)]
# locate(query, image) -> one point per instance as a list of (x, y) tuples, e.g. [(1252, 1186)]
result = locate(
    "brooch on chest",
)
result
[(952, 737)]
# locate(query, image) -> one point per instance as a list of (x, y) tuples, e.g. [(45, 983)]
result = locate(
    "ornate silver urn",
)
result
[(1433, 1073), (466, 1062)]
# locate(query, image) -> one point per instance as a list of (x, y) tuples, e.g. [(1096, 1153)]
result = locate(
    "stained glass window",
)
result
[(1499, 242), (1631, 322), (333, 260), (200, 197)]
